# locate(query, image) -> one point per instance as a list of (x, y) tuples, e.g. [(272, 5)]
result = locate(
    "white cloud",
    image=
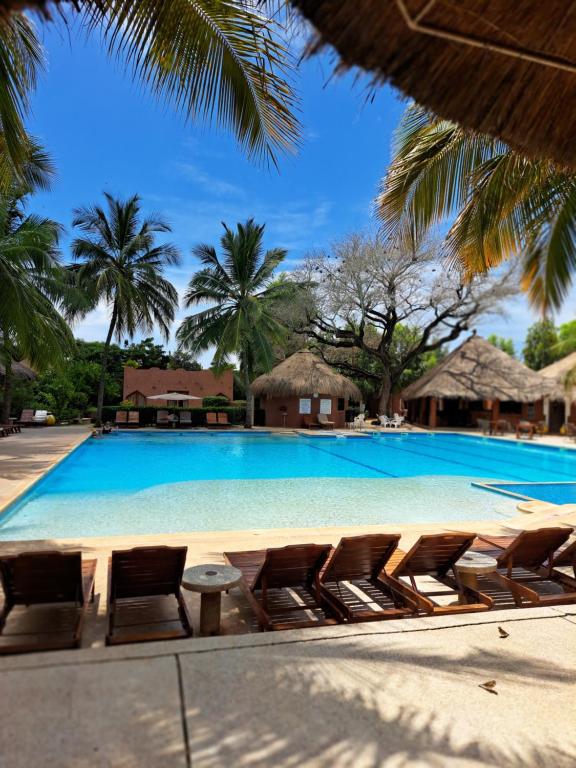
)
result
[(206, 181)]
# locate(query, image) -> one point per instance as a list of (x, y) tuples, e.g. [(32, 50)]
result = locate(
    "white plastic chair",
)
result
[(384, 421), (40, 417)]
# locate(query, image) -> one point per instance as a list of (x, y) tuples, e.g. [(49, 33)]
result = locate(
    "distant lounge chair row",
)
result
[(9, 429), (165, 419), (46, 595), (127, 419), (367, 578), (319, 421), (31, 418)]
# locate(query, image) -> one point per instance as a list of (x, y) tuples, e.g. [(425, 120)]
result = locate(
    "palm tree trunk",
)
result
[(7, 387), (249, 423), (103, 366)]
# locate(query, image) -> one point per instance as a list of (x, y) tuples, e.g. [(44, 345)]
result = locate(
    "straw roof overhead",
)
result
[(557, 374), (301, 374), (20, 370), (477, 370), (504, 68)]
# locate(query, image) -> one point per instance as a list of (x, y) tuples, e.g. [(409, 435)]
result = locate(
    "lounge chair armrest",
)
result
[(408, 593), (518, 590)]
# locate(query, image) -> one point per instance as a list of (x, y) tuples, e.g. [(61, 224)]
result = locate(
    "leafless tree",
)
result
[(365, 291)]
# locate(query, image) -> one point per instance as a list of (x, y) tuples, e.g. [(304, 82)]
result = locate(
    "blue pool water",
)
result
[(163, 482), (561, 493)]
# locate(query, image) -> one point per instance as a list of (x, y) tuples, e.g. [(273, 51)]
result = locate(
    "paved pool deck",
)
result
[(400, 694)]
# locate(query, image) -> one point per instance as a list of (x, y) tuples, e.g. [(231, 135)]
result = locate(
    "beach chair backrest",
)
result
[(134, 417), (292, 566), (360, 557), (211, 418), (185, 417), (532, 548), (566, 557), (161, 416), (322, 418), (222, 418), (27, 414), (147, 571), (41, 415), (434, 554), (42, 577), (121, 417)]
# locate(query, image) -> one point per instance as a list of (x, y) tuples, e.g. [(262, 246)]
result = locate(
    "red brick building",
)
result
[(140, 383)]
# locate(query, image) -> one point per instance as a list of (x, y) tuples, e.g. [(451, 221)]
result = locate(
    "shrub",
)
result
[(216, 401), (148, 414)]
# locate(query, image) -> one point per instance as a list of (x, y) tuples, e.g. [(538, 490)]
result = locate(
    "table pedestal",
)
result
[(210, 603)]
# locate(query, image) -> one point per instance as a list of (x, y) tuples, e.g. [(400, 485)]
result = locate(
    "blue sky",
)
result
[(107, 133)]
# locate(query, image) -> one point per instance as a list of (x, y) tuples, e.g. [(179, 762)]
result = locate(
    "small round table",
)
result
[(210, 580), (474, 564)]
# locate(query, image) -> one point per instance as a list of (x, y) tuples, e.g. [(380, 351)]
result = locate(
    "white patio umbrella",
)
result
[(173, 397)]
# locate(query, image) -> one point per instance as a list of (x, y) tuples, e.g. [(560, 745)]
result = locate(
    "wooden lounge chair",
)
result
[(45, 598), (185, 419), (133, 418), (121, 418), (566, 558), (11, 428), (162, 419), (145, 596), (213, 421), (527, 567), (223, 419), (432, 558), (27, 417), (282, 585), (323, 421), (354, 582)]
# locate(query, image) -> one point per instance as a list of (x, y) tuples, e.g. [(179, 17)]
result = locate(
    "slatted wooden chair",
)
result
[(45, 600), (121, 418), (282, 585), (527, 567), (566, 558), (27, 417), (433, 558), (145, 599), (134, 418), (355, 585), (223, 420), (212, 420), (162, 418)]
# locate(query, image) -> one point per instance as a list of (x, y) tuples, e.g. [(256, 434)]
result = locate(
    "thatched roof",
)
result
[(20, 370), (504, 68), (477, 370), (301, 374), (557, 373)]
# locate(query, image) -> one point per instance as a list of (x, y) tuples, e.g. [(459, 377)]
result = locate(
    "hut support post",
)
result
[(495, 410), (432, 418)]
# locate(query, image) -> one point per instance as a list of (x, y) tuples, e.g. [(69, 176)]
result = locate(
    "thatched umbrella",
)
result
[(504, 68), (562, 378), (477, 370), (301, 374), (20, 371)]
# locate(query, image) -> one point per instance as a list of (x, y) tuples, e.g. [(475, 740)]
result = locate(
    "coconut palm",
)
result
[(505, 205), (31, 287), (119, 263), (241, 287), (216, 60)]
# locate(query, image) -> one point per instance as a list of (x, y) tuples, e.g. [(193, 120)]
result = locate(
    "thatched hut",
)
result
[(507, 69), (560, 405), (300, 388), (474, 381)]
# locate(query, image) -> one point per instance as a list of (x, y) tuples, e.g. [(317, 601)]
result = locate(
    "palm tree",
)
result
[(221, 61), (119, 263), (505, 205), (244, 294), (31, 287)]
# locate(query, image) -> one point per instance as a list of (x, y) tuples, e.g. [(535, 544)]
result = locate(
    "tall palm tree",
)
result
[(505, 205), (221, 61), (31, 287), (118, 262), (242, 289)]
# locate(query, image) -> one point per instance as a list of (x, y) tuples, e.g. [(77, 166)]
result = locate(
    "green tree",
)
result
[(504, 205), (242, 290), (146, 354), (181, 359), (32, 285), (566, 339), (541, 345), (220, 61), (119, 263), (500, 342)]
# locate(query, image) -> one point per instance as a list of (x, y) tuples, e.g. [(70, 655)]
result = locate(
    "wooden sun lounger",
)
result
[(282, 585), (213, 420), (145, 599), (323, 421), (133, 418), (527, 566), (162, 419), (11, 429), (45, 600), (434, 556), (27, 417), (223, 419), (121, 418), (354, 582), (185, 419)]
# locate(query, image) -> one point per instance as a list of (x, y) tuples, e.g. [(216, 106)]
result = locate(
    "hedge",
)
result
[(236, 414)]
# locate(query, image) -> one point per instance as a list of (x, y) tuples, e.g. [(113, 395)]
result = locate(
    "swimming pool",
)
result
[(160, 482)]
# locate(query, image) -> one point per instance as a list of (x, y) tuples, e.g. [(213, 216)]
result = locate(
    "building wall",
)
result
[(273, 408), (154, 381)]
